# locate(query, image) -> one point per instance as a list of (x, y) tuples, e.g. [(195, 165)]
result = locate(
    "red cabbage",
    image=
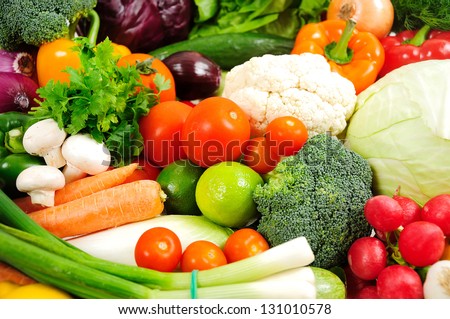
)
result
[(144, 25)]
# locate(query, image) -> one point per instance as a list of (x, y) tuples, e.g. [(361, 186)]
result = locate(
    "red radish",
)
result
[(411, 210), (367, 256), (382, 236), (437, 211), (383, 213), (354, 284), (421, 243), (399, 282), (368, 292)]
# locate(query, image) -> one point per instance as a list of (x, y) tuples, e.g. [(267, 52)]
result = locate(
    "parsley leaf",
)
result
[(101, 99)]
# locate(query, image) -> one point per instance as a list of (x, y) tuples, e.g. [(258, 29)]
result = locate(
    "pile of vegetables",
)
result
[(293, 142)]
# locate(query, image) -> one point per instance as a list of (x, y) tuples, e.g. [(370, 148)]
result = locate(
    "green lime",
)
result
[(178, 180), (224, 194)]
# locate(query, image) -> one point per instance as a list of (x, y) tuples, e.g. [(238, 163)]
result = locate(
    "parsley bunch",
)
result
[(101, 99)]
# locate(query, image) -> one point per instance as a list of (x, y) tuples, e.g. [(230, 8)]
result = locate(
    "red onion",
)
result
[(16, 62), (17, 92), (196, 76)]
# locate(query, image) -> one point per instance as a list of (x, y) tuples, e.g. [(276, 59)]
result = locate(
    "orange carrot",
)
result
[(26, 205), (92, 184), (115, 206), (11, 274)]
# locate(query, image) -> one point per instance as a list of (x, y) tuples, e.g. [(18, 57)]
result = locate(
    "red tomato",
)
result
[(145, 170), (244, 243), (202, 255), (286, 135), (215, 131), (158, 248), (148, 79), (257, 155), (161, 131)]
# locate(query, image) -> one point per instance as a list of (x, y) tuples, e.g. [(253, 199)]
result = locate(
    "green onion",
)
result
[(25, 256)]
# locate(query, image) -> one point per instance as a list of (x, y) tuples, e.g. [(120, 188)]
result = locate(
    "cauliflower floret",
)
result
[(302, 85)]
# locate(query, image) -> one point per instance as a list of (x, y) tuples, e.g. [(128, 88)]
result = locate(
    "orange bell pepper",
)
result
[(54, 57), (357, 56)]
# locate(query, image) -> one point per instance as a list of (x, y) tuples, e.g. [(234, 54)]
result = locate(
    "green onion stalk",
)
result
[(36, 252)]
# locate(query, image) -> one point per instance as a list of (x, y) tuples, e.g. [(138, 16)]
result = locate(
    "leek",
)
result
[(36, 252)]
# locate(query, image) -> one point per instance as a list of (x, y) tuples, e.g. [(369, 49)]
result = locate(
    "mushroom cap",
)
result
[(86, 154), (42, 177), (43, 136)]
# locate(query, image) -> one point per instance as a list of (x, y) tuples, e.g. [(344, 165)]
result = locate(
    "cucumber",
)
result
[(229, 50), (328, 284)]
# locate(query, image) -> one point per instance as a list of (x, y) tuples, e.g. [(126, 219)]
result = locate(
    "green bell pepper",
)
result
[(11, 120), (13, 157), (12, 126), (10, 168)]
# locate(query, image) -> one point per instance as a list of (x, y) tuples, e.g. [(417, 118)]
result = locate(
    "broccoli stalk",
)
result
[(34, 22), (318, 193)]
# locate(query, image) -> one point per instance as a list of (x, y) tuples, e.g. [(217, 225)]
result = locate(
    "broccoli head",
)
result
[(318, 193), (35, 22)]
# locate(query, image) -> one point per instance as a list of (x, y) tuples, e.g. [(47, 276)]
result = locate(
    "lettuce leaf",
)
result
[(282, 18)]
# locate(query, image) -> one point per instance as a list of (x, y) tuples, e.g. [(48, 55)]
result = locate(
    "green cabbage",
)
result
[(401, 125)]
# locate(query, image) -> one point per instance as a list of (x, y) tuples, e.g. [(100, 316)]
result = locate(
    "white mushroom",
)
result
[(84, 156), (40, 182), (44, 138)]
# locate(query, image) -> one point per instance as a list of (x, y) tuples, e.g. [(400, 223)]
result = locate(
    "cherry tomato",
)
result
[(383, 213), (367, 256), (158, 248), (215, 131), (148, 79), (161, 131), (437, 211), (202, 255), (257, 155), (244, 243), (399, 282), (286, 135), (421, 243)]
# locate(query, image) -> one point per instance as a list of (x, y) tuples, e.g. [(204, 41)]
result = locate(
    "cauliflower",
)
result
[(302, 86)]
